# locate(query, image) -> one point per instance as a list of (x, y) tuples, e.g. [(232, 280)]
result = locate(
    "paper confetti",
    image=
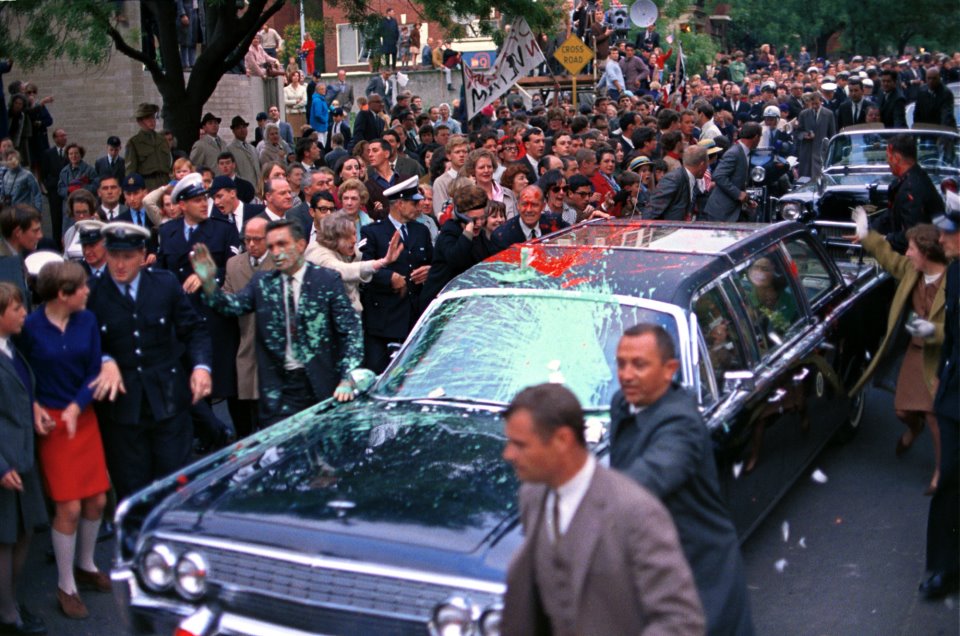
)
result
[(780, 565), (737, 469), (819, 476), (785, 531)]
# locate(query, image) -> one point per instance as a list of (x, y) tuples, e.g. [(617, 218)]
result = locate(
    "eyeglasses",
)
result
[(325, 208), (557, 188), (582, 193)]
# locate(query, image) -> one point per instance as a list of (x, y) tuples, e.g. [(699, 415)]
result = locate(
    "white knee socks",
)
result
[(64, 547), (87, 533)]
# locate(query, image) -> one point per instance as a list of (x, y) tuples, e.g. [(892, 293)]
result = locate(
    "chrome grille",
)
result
[(832, 234)]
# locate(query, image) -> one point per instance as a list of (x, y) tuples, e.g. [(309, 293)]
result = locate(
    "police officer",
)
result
[(147, 151), (147, 325), (90, 234), (177, 239)]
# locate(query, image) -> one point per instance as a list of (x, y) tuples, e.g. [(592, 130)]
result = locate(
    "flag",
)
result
[(681, 69), (519, 55)]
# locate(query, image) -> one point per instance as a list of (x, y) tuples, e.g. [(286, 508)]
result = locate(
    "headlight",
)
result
[(191, 576), (156, 568), (490, 620), (791, 211), (453, 617), (758, 173)]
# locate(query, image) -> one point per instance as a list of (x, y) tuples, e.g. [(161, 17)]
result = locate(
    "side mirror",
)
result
[(363, 379), (738, 381)]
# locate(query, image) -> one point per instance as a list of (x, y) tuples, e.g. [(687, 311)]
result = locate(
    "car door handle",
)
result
[(777, 396), (801, 375)]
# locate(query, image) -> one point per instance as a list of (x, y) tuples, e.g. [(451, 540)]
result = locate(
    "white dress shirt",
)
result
[(571, 495)]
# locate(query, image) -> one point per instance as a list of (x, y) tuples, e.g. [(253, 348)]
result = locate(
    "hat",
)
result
[(113, 141), (238, 121), (949, 221), (856, 58), (771, 111), (769, 86), (209, 117), (813, 69), (828, 86), (121, 236), (146, 110), (639, 162), (867, 82), (35, 262), (189, 187), (90, 231), (406, 190), (829, 78), (133, 183), (261, 116), (222, 183), (710, 145), (885, 60), (904, 62), (336, 112)]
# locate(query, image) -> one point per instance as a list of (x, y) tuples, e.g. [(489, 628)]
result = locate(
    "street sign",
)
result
[(573, 54)]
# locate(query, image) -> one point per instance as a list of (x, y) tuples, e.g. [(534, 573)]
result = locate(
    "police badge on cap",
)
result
[(122, 236), (189, 187), (406, 190), (90, 231)]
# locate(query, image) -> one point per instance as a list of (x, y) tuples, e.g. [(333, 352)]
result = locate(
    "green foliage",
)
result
[(699, 50), (34, 31), (291, 37)]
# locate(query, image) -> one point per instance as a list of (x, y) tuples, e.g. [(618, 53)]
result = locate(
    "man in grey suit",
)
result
[(814, 124), (341, 91), (673, 199), (658, 438), (382, 85), (729, 192), (601, 555)]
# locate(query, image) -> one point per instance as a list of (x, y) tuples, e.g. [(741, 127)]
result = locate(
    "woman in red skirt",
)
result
[(61, 341)]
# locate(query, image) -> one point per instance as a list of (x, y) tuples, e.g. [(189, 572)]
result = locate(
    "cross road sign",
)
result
[(573, 54)]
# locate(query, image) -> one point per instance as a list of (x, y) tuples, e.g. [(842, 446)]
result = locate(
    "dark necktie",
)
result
[(856, 111), (291, 309), (190, 229), (403, 232), (128, 293), (556, 516)]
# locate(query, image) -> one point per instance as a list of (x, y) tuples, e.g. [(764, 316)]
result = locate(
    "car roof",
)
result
[(659, 260), (877, 128)]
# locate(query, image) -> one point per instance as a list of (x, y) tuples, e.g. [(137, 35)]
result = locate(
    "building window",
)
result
[(351, 49)]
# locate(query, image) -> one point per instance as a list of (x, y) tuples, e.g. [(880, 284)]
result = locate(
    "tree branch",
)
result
[(121, 43)]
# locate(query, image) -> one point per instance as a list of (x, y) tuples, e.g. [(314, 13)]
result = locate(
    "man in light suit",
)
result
[(341, 91), (658, 438), (673, 199), (729, 192), (206, 149), (601, 555), (814, 124), (240, 269)]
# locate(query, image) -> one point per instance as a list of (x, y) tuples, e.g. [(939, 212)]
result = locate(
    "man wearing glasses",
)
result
[(240, 269)]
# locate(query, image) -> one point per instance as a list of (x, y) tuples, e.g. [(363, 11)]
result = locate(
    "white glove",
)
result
[(859, 216), (920, 328)]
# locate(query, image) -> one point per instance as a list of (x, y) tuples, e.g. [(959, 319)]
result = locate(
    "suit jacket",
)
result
[(248, 160), (947, 401), (935, 107), (251, 210), (823, 125), (385, 313), (104, 169), (913, 200), (342, 128), (627, 575), (667, 449), (892, 109), (729, 180), (206, 150), (907, 277), (221, 238), (454, 253), (148, 339), (406, 165), (376, 85), (366, 127), (50, 167), (345, 96), (328, 342), (153, 244), (13, 270), (845, 113), (375, 192), (671, 201), (239, 273), (510, 232)]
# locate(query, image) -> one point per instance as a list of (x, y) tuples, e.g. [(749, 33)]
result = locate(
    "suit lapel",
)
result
[(584, 532), (7, 365)]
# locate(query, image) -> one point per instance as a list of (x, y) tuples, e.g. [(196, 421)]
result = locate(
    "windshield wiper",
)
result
[(443, 398)]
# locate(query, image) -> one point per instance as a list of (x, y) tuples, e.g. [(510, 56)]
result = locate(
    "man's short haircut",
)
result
[(9, 294), (583, 155), (704, 108), (268, 184), (296, 232), (303, 146), (903, 145), (544, 164), (326, 195), (456, 141), (20, 215), (891, 73), (226, 154), (642, 135), (530, 132), (108, 177), (694, 155), (664, 342), (627, 119), (671, 140), (578, 181), (666, 118), (750, 130), (551, 407), (470, 197)]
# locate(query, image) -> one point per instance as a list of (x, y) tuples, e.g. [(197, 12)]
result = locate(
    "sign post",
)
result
[(573, 55)]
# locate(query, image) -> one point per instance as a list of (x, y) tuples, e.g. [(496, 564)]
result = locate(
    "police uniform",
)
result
[(90, 232), (148, 153), (146, 328)]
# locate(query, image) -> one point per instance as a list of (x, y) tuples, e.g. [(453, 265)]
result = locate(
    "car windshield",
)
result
[(869, 148), (487, 348)]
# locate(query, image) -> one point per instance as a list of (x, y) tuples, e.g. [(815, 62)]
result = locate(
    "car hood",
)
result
[(356, 477)]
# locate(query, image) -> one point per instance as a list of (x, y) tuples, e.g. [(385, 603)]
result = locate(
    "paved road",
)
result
[(863, 532)]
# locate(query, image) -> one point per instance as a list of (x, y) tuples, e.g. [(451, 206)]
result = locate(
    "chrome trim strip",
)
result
[(235, 625), (837, 224), (341, 565)]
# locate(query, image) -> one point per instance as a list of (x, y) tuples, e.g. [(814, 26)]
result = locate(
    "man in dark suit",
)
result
[(391, 300), (675, 194), (52, 163), (278, 198), (177, 240), (730, 178), (20, 234), (380, 177), (109, 192), (891, 102), (147, 328), (227, 166), (308, 334), (649, 39), (659, 439), (913, 197), (111, 165), (943, 522), (935, 102), (530, 222), (134, 190), (600, 554), (854, 110), (368, 125)]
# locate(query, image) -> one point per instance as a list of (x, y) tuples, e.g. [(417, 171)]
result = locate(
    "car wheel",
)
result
[(858, 404)]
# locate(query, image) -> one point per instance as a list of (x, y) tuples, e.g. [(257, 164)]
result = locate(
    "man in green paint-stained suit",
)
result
[(308, 335)]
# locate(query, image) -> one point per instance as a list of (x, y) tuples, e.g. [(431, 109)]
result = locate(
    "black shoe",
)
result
[(23, 626), (938, 585), (29, 618)]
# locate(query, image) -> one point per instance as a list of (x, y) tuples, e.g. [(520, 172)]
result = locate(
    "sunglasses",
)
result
[(556, 188), (582, 193)]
